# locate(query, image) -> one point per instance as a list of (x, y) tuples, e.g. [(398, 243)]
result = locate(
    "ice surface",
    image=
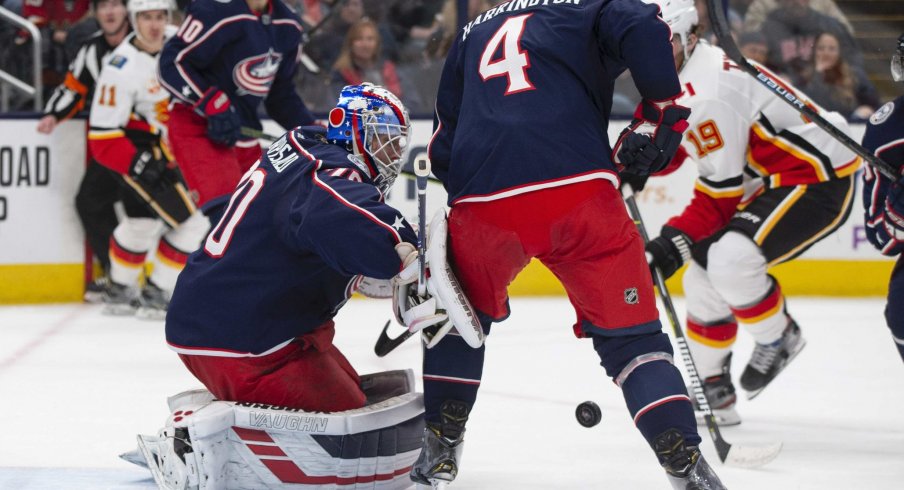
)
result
[(76, 387)]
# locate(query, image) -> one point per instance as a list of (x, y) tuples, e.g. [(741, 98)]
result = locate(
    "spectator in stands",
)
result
[(758, 10), (324, 45), (413, 23), (99, 188), (53, 18), (754, 47), (360, 61), (836, 85), (791, 30)]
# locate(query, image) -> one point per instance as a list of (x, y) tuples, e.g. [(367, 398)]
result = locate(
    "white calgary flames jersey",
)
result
[(745, 139), (128, 93)]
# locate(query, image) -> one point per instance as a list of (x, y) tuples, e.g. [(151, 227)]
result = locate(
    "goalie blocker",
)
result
[(220, 445)]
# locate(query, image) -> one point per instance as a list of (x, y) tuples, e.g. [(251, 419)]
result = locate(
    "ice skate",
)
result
[(437, 464), (720, 393), (120, 299), (769, 360), (152, 303), (94, 290), (684, 465)]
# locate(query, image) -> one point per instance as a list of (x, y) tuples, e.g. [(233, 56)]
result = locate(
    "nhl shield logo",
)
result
[(631, 297)]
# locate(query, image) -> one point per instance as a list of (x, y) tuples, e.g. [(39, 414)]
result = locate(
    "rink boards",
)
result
[(42, 251)]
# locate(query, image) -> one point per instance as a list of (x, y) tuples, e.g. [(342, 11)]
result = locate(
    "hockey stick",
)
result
[(723, 33), (257, 133), (385, 344), (744, 456), (308, 33), (421, 173)]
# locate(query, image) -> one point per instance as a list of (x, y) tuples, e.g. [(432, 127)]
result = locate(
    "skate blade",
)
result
[(135, 457), (150, 314), (800, 346), (118, 310), (724, 417), (94, 297)]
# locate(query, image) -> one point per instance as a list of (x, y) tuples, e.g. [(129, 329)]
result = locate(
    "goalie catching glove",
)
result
[(649, 143), (445, 305)]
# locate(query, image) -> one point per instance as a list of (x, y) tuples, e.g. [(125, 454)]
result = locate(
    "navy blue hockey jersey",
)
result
[(885, 138), (525, 95), (251, 57), (302, 224)]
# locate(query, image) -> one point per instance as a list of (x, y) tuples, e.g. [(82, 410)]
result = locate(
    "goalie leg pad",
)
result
[(443, 285), (226, 445)]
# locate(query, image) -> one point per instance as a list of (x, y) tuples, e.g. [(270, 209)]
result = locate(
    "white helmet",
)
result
[(681, 16), (135, 6)]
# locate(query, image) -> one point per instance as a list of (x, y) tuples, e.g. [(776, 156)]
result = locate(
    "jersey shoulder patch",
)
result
[(882, 114), (118, 60)]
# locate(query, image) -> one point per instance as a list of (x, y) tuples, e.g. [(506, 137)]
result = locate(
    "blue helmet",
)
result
[(372, 124)]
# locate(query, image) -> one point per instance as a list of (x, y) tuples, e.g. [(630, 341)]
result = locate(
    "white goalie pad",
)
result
[(220, 445), (443, 285)]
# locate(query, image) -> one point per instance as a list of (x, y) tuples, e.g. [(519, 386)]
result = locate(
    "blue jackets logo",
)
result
[(254, 75)]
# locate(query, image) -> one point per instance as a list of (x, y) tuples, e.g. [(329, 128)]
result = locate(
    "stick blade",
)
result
[(752, 456)]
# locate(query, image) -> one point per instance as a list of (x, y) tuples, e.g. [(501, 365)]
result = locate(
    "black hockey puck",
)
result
[(588, 414)]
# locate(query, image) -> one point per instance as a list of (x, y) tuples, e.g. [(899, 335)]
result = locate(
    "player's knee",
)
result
[(617, 352), (734, 259), (695, 279), (136, 233), (209, 440), (189, 234)]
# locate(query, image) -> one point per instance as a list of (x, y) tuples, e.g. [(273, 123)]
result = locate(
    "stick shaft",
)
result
[(722, 446), (727, 43), (421, 173)]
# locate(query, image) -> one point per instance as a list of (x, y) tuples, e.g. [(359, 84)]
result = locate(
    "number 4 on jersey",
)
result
[(514, 61)]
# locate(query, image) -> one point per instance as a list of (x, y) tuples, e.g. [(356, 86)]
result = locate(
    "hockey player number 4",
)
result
[(514, 61)]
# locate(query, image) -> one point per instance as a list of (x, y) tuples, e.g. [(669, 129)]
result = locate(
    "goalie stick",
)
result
[(385, 344), (743, 456), (727, 43)]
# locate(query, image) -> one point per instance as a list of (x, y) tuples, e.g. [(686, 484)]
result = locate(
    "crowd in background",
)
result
[(401, 44)]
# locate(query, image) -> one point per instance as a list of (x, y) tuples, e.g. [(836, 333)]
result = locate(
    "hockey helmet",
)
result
[(681, 16), (897, 61), (135, 6), (371, 123)]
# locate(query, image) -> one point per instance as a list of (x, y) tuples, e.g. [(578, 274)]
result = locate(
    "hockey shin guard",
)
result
[(652, 386), (452, 371)]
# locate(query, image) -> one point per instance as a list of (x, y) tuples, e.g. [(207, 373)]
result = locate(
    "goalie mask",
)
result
[(681, 16), (897, 61), (371, 123)]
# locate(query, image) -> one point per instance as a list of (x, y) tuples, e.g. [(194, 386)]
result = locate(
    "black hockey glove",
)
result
[(649, 143), (223, 124), (894, 210), (148, 167), (669, 251), (637, 182)]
